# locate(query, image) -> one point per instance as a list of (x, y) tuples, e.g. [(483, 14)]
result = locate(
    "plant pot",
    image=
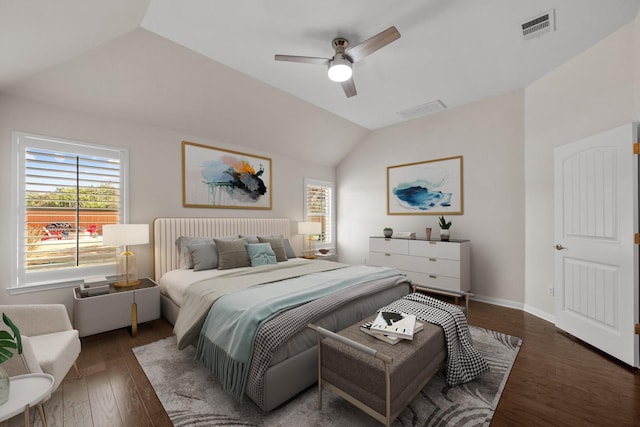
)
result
[(4, 385), (387, 233), (444, 235)]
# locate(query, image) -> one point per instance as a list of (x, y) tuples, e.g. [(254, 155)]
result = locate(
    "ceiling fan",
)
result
[(345, 56)]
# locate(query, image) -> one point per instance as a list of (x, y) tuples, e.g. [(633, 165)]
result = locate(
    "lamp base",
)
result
[(126, 284), (126, 270)]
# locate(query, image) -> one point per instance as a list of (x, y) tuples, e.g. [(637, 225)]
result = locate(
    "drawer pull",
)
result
[(432, 276), (432, 242), (387, 254), (432, 259)]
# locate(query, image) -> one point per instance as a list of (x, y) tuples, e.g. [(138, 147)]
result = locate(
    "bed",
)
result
[(290, 366)]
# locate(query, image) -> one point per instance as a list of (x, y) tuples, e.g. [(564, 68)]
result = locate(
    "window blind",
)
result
[(67, 193), (319, 209)]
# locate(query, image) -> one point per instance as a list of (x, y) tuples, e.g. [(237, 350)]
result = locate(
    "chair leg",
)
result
[(78, 374)]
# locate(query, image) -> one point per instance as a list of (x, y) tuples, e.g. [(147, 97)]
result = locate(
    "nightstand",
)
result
[(327, 257), (118, 308)]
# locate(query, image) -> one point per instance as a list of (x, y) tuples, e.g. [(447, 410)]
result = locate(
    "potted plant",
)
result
[(7, 343), (444, 229), (388, 231)]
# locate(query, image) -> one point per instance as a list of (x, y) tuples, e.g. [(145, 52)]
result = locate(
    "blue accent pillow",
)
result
[(261, 254)]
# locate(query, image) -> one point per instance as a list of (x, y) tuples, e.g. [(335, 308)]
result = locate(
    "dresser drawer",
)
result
[(392, 246), (445, 283), (433, 264), (437, 266), (440, 267), (387, 259), (434, 249)]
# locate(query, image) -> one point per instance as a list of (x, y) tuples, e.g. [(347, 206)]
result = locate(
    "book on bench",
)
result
[(394, 324), (388, 337)]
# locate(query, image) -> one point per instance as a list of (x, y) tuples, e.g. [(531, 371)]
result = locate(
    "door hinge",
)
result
[(637, 328), (636, 238), (636, 148)]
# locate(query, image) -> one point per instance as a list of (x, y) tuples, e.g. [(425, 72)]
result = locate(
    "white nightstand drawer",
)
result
[(116, 309), (100, 313), (148, 303)]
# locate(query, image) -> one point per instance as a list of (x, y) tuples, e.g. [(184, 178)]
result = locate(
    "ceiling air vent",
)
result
[(421, 110), (539, 25)]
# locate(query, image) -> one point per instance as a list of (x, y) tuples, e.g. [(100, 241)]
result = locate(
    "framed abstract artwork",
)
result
[(432, 187), (217, 178)]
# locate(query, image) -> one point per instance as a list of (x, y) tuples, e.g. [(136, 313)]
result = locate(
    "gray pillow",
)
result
[(277, 244), (232, 253), (184, 257), (288, 249), (287, 244), (204, 256), (261, 254), (250, 239)]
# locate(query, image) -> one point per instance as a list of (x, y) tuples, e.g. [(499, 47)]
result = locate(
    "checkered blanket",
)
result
[(273, 333), (464, 362)]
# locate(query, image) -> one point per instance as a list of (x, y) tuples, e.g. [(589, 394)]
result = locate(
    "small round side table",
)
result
[(27, 390)]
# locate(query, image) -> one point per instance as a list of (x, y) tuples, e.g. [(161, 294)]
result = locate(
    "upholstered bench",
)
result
[(377, 377)]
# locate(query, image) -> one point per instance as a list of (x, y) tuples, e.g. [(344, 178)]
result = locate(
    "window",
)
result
[(319, 207), (66, 192)]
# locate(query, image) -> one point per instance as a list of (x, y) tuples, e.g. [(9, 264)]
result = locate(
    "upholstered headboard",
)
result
[(167, 230)]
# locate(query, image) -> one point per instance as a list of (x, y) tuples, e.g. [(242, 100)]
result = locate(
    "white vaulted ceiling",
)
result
[(456, 51)]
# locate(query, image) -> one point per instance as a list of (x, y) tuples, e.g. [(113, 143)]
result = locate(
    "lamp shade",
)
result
[(309, 227), (125, 234)]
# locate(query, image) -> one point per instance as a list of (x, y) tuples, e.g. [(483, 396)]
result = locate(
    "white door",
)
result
[(596, 259)]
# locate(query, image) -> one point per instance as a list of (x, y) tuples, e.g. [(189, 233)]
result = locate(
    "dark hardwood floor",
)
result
[(555, 381)]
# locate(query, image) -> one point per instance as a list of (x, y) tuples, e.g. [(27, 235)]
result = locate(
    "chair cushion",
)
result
[(56, 353)]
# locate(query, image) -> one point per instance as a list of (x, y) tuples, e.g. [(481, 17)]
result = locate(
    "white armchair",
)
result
[(49, 343)]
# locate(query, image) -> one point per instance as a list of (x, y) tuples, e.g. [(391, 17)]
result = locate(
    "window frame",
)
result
[(332, 215), (21, 142)]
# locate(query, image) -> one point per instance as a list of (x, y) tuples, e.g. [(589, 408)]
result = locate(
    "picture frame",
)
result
[(224, 179), (431, 187)]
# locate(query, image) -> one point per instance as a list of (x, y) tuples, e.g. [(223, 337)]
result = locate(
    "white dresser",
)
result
[(428, 263)]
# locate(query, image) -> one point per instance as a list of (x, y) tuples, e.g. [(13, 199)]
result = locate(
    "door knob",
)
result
[(560, 247)]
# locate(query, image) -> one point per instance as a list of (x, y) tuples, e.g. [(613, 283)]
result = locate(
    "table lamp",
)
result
[(125, 235), (309, 229)]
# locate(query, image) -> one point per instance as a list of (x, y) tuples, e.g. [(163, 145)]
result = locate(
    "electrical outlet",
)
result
[(550, 291)]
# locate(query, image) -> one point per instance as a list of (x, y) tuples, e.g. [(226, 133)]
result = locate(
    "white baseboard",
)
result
[(517, 305), (539, 313), (498, 301)]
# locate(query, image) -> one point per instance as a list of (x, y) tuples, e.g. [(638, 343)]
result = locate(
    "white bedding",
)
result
[(174, 283)]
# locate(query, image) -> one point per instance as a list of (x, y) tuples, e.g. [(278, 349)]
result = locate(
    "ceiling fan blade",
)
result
[(349, 88), (367, 47), (304, 59)]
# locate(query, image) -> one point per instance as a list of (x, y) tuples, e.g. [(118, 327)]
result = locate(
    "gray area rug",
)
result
[(192, 397)]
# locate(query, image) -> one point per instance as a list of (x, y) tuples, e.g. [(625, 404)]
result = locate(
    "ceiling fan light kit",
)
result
[(340, 70), (340, 65)]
